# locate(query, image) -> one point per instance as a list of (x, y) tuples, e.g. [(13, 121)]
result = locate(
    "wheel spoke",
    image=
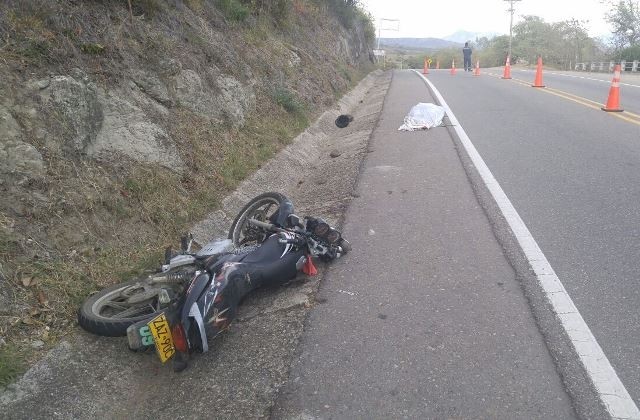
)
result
[(115, 305), (132, 312)]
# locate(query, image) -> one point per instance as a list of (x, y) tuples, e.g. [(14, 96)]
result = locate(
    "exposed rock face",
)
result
[(119, 101), (235, 100), (127, 130), (16, 156), (96, 122), (125, 120), (154, 87), (230, 101), (191, 93), (75, 99)]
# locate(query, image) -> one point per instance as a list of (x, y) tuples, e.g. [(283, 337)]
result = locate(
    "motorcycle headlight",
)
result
[(333, 236), (321, 229)]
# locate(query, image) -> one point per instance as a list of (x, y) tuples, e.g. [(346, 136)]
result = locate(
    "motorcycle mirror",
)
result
[(294, 220)]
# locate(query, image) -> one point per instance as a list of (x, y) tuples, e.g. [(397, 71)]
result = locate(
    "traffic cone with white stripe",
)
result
[(507, 69), (476, 72), (453, 67), (426, 67), (613, 102), (538, 81)]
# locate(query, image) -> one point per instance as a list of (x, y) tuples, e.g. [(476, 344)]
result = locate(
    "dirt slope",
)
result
[(120, 129)]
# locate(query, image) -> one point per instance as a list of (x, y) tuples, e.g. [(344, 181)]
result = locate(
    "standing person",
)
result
[(466, 52)]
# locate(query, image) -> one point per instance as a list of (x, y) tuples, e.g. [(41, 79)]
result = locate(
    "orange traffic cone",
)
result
[(437, 64), (538, 81), (426, 67), (476, 72), (507, 69), (613, 102), (453, 67)]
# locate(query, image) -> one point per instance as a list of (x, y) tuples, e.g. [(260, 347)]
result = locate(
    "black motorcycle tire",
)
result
[(240, 222), (97, 324)]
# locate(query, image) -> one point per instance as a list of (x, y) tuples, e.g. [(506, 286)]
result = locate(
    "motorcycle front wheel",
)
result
[(263, 208), (110, 311)]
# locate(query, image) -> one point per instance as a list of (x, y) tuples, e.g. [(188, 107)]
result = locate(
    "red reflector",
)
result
[(308, 268), (179, 338)]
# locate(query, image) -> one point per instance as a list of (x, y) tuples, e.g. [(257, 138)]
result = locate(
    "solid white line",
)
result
[(610, 389)]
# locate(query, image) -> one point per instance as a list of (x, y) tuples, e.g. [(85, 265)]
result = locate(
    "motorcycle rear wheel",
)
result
[(263, 208), (110, 311)]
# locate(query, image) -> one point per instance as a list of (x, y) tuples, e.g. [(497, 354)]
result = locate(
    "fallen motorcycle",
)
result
[(195, 295)]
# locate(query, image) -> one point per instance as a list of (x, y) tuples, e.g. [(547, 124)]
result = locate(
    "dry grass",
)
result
[(98, 223), (114, 227)]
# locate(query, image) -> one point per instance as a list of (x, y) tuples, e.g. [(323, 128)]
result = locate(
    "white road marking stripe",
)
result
[(610, 389)]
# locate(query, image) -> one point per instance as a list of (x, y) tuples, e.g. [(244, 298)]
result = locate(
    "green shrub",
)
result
[(287, 100), (630, 53), (345, 10), (92, 48), (147, 7), (369, 28), (233, 10), (195, 5), (280, 10), (11, 364)]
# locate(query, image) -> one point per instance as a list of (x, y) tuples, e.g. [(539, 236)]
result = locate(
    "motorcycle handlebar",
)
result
[(264, 225)]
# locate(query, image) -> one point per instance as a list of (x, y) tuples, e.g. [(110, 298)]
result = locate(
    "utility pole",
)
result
[(511, 10)]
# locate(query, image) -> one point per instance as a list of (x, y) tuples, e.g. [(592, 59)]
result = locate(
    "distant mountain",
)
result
[(464, 36), (417, 43)]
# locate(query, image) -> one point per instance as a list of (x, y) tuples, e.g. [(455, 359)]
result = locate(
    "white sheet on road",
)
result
[(422, 117)]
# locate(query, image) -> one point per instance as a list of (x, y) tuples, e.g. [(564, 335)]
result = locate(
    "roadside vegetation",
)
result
[(561, 44), (108, 221)]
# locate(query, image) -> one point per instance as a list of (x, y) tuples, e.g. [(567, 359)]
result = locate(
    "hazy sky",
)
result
[(439, 18)]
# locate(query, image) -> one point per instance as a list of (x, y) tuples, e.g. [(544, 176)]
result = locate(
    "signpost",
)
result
[(385, 24)]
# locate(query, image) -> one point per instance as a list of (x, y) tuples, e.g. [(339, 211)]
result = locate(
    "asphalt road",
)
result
[(591, 86), (425, 318), (571, 172)]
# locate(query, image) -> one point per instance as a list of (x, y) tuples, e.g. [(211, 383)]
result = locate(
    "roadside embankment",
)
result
[(88, 376)]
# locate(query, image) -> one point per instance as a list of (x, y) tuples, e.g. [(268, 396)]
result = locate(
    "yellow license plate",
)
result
[(162, 337)]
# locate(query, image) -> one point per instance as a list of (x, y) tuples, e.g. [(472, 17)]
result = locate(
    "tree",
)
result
[(560, 44), (577, 46), (492, 52), (624, 16), (534, 37)]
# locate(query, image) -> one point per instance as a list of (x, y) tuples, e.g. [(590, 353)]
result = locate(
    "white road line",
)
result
[(612, 393)]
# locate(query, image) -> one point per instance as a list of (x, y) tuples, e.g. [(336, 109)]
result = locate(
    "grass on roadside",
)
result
[(126, 218), (12, 364)]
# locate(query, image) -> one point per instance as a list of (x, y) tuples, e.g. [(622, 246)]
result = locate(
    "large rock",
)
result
[(235, 100), (9, 128), (153, 86), (105, 124), (191, 93), (127, 130), (17, 156), (229, 100), (75, 98)]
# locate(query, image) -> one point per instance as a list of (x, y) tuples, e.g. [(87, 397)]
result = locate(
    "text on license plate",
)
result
[(162, 337)]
